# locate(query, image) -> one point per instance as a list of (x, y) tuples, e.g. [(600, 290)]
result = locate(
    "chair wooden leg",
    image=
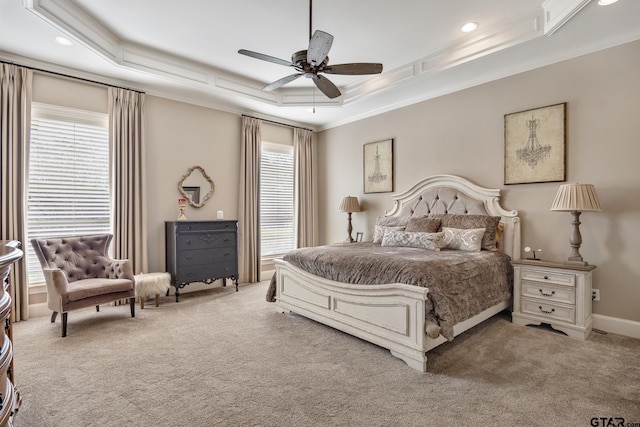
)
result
[(64, 324), (157, 300), (141, 303), (53, 316), (97, 308), (132, 304)]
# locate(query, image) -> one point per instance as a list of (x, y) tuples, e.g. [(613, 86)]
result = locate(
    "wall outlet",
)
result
[(595, 294)]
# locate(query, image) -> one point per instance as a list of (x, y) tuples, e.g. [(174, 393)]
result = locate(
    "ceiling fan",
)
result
[(314, 60)]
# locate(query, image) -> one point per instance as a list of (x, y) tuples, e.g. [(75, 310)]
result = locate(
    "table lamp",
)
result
[(576, 198), (350, 204)]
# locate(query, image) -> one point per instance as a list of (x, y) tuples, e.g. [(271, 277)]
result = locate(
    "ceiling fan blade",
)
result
[(264, 57), (353, 69), (326, 87), (281, 82), (319, 47)]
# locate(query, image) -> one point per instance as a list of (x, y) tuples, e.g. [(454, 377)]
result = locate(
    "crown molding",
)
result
[(559, 12), (67, 17)]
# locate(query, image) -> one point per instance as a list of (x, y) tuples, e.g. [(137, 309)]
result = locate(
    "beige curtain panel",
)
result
[(304, 187), (248, 209), (15, 121), (128, 141)]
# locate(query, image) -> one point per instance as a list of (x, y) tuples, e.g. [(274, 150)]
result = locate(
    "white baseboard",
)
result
[(615, 325), (266, 274), (39, 310)]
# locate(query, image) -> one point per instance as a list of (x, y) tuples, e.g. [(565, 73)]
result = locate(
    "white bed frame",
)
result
[(391, 315)]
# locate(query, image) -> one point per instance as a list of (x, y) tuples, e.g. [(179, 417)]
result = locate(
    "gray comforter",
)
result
[(461, 284)]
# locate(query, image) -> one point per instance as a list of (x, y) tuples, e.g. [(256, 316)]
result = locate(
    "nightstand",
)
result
[(553, 293)]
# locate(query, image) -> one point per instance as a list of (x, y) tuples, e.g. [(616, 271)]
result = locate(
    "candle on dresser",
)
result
[(220, 215)]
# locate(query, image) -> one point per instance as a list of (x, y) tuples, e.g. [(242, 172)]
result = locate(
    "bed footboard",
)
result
[(391, 315)]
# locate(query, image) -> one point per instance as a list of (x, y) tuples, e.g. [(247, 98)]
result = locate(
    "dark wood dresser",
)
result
[(201, 251), (9, 395)]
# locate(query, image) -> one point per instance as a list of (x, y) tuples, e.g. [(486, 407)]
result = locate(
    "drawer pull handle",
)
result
[(188, 242), (545, 311), (547, 295), (189, 258), (188, 227), (546, 277)]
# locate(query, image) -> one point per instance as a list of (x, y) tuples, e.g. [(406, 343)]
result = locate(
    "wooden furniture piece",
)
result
[(553, 293), (201, 251), (393, 315), (79, 273), (9, 394)]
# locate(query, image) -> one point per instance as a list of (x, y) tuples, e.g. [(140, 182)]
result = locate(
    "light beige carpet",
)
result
[(224, 358)]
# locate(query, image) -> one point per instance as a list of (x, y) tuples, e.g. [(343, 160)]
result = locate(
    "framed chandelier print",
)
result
[(534, 145), (378, 166)]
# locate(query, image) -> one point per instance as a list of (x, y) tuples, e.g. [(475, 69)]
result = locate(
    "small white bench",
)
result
[(151, 284)]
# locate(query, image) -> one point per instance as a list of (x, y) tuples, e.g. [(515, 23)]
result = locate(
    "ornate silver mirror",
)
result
[(196, 186)]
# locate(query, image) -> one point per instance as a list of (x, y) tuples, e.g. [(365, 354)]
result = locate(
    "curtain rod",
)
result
[(276, 123), (55, 73)]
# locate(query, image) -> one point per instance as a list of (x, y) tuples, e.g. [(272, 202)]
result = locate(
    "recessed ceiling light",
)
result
[(606, 2), (63, 41), (469, 26)]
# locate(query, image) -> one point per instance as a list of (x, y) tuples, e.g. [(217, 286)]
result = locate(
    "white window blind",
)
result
[(68, 191), (276, 200)]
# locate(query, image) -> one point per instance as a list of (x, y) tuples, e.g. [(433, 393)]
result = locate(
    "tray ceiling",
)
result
[(187, 50)]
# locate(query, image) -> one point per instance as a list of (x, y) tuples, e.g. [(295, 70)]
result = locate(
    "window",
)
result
[(276, 200), (68, 191)]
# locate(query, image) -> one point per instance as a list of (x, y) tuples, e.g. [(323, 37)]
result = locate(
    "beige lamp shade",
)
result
[(576, 197), (350, 204)]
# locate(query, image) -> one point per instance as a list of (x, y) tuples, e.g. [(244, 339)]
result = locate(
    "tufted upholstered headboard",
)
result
[(442, 194)]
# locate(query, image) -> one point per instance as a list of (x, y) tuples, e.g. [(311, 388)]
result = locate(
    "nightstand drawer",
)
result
[(548, 276), (548, 292), (543, 309)]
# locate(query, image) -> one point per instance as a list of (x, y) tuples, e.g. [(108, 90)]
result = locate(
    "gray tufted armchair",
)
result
[(79, 274)]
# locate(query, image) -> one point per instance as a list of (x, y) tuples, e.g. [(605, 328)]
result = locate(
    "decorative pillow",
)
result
[(489, 223), (416, 239), (381, 229), (423, 224), (382, 222), (392, 221), (468, 239)]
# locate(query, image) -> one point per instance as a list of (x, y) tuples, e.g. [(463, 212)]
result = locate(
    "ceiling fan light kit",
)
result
[(314, 60)]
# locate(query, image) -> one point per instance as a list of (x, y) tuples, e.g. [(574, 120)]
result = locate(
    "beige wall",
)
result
[(459, 134), (462, 134), (179, 136)]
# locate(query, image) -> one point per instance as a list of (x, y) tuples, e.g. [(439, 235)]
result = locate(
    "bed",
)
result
[(400, 316)]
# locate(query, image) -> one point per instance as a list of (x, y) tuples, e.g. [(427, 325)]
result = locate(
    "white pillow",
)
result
[(380, 230), (413, 239), (469, 239)]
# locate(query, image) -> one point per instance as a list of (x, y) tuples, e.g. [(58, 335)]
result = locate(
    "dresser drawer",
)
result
[(549, 292), (203, 256), (548, 276), (197, 273), (205, 226), (216, 239), (545, 310)]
